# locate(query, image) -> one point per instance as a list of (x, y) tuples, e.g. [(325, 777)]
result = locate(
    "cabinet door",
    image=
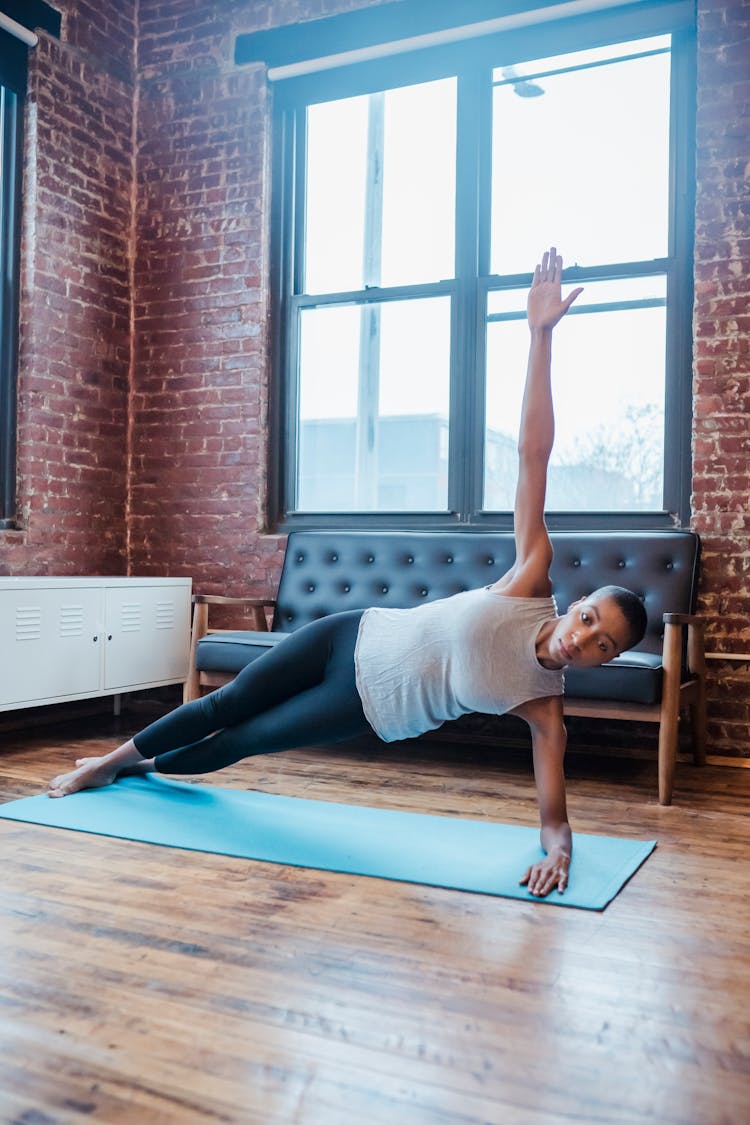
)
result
[(51, 644), (147, 635)]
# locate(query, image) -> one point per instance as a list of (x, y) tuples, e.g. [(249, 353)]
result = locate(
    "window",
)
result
[(413, 204), (12, 84)]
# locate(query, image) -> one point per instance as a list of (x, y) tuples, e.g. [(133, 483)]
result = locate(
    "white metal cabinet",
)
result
[(76, 638)]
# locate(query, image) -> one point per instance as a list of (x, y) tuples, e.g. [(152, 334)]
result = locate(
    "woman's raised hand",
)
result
[(545, 305)]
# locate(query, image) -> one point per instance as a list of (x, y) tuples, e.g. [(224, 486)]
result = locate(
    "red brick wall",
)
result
[(721, 434), (200, 390), (75, 306)]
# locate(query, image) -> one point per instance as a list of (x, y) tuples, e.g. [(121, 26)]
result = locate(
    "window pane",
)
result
[(373, 414), (581, 58), (608, 386), (381, 175), (581, 160)]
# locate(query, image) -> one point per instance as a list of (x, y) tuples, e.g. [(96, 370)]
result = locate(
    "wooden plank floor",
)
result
[(150, 985)]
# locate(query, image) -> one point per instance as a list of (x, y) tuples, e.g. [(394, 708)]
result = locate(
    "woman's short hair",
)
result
[(630, 606)]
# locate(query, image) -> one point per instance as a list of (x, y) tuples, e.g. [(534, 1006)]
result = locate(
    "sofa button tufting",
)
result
[(334, 558), (423, 592), (347, 588), (310, 587), (410, 559), (383, 589), (490, 562), (449, 559), (371, 558), (290, 617), (670, 566), (300, 558), (621, 563), (576, 562)]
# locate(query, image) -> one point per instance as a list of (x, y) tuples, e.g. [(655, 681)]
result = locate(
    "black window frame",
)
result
[(30, 14), (13, 83), (472, 62)]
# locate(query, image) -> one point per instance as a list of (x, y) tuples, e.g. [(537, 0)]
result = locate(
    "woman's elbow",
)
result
[(533, 451)]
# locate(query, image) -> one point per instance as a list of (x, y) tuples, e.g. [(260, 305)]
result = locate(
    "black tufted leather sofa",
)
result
[(325, 572)]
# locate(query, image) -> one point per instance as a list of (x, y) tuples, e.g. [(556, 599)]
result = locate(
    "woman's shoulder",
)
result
[(525, 581)]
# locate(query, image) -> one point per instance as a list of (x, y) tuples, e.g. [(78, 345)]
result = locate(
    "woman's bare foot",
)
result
[(92, 773)]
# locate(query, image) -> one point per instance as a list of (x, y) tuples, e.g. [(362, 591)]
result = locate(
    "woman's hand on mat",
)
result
[(545, 305), (552, 871)]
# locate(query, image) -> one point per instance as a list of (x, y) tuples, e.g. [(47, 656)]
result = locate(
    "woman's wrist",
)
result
[(557, 839)]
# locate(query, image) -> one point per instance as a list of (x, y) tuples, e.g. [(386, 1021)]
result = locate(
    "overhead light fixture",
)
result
[(521, 86)]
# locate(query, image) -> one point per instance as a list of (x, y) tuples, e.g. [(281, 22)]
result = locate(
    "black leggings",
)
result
[(302, 692)]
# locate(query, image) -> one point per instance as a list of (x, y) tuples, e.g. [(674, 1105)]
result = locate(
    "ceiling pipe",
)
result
[(18, 30)]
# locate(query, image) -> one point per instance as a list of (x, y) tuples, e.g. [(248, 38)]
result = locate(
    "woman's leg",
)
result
[(302, 660), (331, 711), (324, 648)]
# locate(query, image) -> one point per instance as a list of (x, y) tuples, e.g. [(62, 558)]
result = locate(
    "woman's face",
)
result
[(592, 632)]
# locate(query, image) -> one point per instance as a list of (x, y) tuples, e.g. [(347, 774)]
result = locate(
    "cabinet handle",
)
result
[(109, 636), (96, 638)]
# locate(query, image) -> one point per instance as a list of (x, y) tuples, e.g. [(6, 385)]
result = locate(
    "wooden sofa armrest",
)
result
[(696, 649), (684, 619), (201, 602), (200, 629)]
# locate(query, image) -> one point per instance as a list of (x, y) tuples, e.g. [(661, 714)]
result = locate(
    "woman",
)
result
[(501, 649)]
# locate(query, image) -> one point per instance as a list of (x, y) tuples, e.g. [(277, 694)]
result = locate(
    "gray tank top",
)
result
[(476, 651)]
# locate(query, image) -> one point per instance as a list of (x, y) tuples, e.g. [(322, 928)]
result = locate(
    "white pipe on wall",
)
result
[(18, 30), (535, 15)]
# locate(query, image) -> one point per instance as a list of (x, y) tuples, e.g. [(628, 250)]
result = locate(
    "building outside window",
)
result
[(411, 217)]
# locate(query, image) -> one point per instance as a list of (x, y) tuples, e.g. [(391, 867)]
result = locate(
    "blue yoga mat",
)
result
[(440, 851)]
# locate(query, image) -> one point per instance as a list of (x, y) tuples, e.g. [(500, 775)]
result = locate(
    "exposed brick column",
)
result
[(721, 436)]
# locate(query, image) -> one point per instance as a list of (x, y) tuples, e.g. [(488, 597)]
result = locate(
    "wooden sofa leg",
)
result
[(192, 688), (668, 732), (670, 712)]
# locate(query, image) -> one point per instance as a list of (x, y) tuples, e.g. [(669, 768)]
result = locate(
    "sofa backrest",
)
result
[(328, 571)]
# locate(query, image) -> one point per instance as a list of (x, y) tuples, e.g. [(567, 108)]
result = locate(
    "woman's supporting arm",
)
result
[(549, 739)]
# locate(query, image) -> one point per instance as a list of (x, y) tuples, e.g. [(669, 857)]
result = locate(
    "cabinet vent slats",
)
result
[(28, 623), (71, 620), (165, 615), (130, 617)]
